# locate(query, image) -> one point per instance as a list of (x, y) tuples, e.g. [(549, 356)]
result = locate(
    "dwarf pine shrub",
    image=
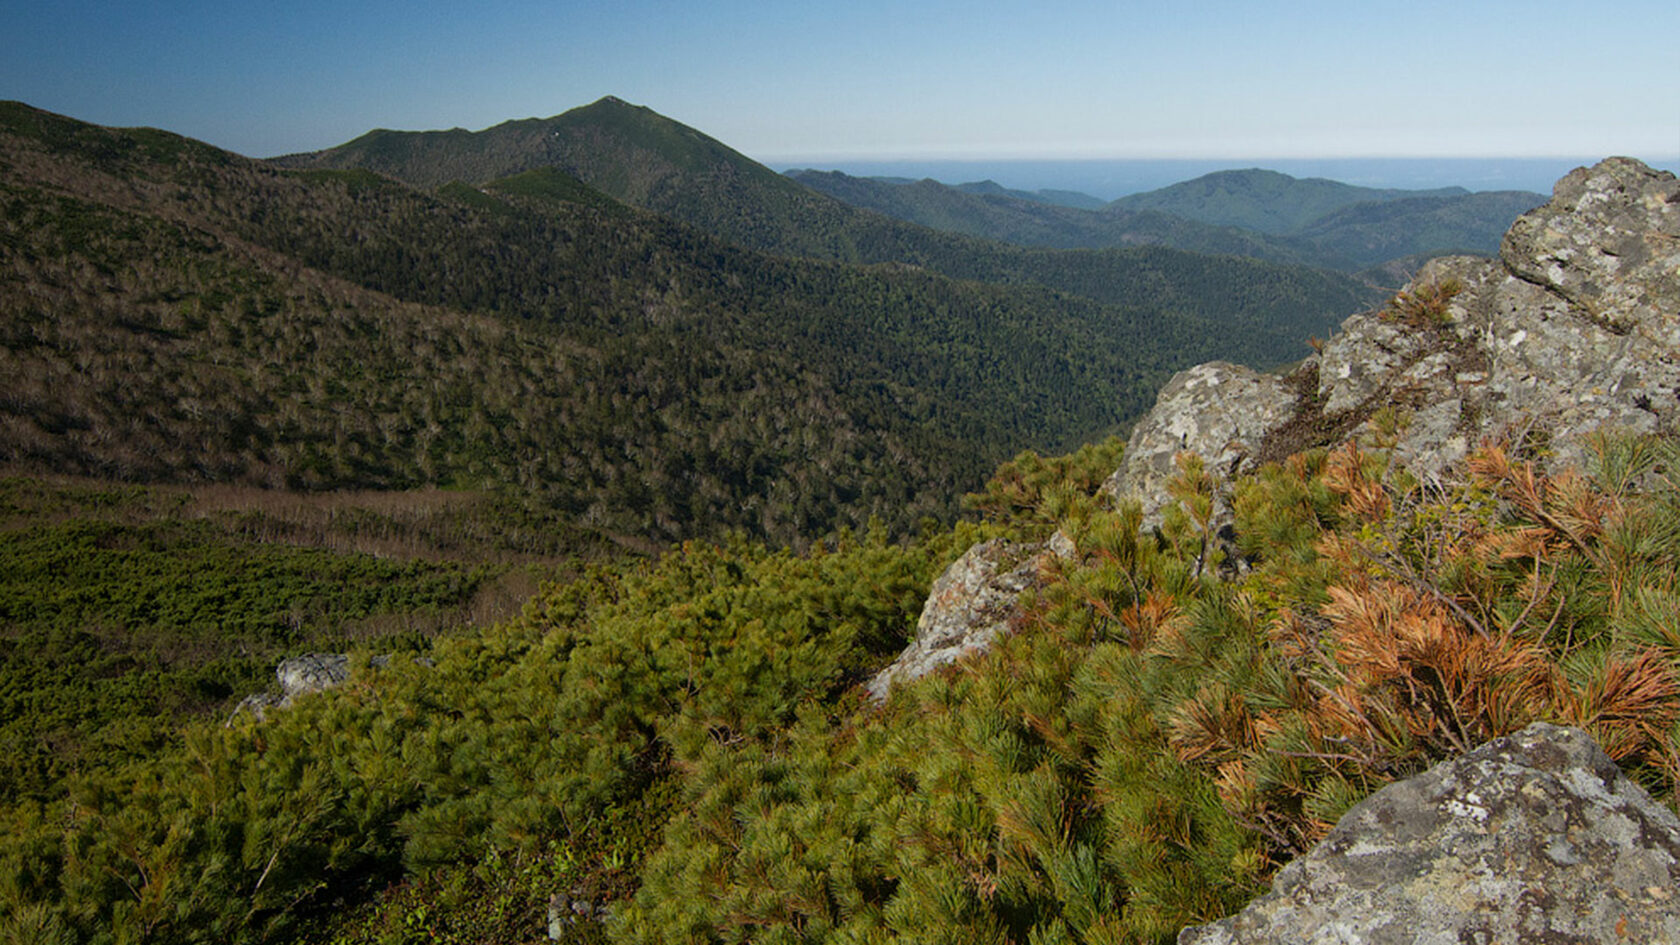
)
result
[(686, 738)]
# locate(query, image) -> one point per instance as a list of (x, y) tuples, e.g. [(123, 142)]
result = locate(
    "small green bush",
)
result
[(1425, 305)]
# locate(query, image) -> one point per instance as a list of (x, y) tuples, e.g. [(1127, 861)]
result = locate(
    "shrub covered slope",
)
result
[(686, 739)]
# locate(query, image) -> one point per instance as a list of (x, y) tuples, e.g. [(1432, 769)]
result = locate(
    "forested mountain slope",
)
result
[(1349, 227), (1001, 216), (1368, 234), (631, 153), (1265, 201), (174, 312), (1060, 198)]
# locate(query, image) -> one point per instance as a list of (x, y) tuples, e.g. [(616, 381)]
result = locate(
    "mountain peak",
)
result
[(625, 150), (608, 104)]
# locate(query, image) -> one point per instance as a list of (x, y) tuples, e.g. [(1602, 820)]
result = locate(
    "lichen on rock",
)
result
[(1219, 411), (971, 603), (1535, 837), (1609, 244)]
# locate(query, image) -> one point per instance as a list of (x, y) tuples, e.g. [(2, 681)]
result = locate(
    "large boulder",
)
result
[(297, 676), (1219, 411), (1609, 244), (311, 672), (1573, 330), (1535, 837), (302, 675)]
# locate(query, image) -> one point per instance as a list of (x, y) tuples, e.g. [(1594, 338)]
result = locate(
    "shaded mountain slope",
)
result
[(590, 138), (1255, 312), (1370, 233)]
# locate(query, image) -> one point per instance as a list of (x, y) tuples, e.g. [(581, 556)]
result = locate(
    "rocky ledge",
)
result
[(1535, 837), (1574, 329)]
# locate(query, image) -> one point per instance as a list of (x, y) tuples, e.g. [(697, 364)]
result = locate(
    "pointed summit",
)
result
[(628, 151)]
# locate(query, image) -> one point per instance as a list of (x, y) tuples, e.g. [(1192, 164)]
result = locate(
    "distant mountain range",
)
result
[(1111, 178), (649, 161), (991, 188), (1007, 217), (1266, 201), (1256, 213)]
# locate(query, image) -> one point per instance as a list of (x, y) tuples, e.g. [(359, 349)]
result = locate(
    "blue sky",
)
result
[(784, 82)]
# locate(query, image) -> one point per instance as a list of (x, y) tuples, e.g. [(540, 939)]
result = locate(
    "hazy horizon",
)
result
[(1118, 177), (983, 79)]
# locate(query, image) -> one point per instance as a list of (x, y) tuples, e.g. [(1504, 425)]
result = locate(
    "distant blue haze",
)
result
[(1109, 179), (877, 79)]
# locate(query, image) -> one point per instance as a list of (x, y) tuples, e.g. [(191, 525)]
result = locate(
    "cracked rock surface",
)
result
[(1535, 837), (1219, 411), (973, 601)]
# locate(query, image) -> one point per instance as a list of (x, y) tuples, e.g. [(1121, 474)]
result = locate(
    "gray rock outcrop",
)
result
[(1220, 411), (972, 602), (297, 676), (1607, 244), (311, 672), (302, 675), (1573, 330), (1535, 837)]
